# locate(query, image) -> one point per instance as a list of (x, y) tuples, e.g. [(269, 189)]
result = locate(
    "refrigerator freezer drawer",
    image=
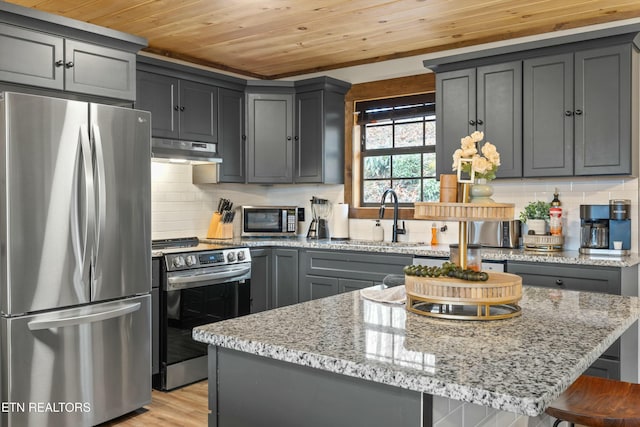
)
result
[(79, 366)]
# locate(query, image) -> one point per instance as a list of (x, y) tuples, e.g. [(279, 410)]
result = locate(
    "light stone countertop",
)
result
[(518, 365), (424, 249)]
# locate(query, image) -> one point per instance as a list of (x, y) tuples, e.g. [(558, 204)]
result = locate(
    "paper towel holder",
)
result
[(340, 222)]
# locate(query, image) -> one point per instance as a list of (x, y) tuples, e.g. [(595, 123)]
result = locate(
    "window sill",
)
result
[(372, 213)]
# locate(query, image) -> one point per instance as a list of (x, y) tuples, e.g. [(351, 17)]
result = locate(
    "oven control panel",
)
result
[(192, 260)]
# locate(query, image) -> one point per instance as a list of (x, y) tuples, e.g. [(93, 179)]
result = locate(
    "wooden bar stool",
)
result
[(598, 402)]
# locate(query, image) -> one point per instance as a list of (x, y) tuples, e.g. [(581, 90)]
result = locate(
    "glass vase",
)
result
[(481, 192)]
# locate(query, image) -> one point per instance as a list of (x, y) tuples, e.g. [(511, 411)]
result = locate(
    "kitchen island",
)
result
[(344, 360)]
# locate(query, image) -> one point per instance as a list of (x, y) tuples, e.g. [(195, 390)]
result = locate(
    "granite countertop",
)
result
[(518, 365), (424, 249)]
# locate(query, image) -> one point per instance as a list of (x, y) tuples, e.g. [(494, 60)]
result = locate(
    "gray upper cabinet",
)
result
[(232, 139), (198, 117), (159, 95), (296, 134), (180, 109), (577, 113), (602, 111), (31, 58), (270, 138), (548, 116), (319, 131), (34, 58), (488, 99)]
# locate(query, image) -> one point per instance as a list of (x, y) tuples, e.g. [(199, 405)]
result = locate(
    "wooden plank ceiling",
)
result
[(272, 39)]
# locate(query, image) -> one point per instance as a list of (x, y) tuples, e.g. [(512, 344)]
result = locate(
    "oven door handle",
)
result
[(175, 283)]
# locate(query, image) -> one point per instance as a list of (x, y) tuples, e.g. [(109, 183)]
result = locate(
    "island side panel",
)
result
[(246, 389)]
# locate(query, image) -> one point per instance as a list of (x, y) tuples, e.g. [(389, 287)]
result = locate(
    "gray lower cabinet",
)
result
[(284, 288), (612, 280), (34, 58), (577, 113), (231, 136), (180, 109), (260, 279), (326, 272), (274, 278), (487, 99)]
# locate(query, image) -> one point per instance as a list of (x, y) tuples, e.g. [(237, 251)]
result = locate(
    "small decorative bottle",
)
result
[(434, 234), (378, 232), (555, 216)]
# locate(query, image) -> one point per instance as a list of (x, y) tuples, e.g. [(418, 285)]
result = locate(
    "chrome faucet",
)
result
[(394, 199)]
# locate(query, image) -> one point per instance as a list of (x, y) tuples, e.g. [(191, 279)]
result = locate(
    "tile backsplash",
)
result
[(181, 208)]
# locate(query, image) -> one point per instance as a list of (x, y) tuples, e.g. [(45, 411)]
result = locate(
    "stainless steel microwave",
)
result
[(269, 221)]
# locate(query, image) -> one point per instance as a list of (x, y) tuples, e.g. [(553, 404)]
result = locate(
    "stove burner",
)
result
[(180, 242)]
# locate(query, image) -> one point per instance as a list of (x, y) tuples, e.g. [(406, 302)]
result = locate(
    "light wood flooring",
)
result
[(184, 407)]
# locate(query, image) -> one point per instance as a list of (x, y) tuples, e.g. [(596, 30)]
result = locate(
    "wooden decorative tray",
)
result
[(464, 211), (452, 298), (542, 243)]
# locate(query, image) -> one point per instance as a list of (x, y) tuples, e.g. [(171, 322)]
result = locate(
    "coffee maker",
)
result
[(606, 229)]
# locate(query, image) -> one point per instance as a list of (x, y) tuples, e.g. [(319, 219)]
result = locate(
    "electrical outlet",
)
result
[(300, 214)]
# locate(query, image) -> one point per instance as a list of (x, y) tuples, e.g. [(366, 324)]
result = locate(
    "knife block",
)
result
[(219, 229)]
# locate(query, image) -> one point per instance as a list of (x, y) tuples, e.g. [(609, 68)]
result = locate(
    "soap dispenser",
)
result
[(378, 232)]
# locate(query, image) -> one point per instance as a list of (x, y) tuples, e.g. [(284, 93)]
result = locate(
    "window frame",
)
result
[(392, 88), (423, 114)]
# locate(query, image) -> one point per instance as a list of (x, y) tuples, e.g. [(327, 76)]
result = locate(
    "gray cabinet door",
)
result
[(285, 277), (198, 112), (99, 70), (603, 111), (159, 95), (315, 287), (548, 116), (231, 135), (260, 280), (499, 113), (31, 58), (270, 138), (309, 137), (348, 285), (455, 114)]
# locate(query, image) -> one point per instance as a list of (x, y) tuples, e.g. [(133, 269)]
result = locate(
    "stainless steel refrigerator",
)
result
[(75, 261)]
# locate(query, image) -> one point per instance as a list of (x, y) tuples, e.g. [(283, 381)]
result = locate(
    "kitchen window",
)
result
[(397, 147)]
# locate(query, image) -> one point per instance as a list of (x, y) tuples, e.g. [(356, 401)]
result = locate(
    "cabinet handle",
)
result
[(182, 108), (296, 138), (480, 122), (69, 64), (177, 108), (559, 282), (578, 112), (244, 137), (59, 63), (568, 113), (288, 138), (472, 122)]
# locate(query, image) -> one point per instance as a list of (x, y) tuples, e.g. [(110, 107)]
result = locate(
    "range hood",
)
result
[(184, 151)]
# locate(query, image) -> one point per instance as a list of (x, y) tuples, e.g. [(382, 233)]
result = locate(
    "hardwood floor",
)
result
[(185, 407)]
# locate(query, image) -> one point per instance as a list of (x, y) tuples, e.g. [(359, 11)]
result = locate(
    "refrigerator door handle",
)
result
[(89, 202), (37, 325), (100, 188)]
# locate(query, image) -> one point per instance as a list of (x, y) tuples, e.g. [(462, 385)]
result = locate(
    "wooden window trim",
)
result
[(363, 92)]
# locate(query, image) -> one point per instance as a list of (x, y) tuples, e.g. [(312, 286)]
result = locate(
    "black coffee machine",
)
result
[(606, 229)]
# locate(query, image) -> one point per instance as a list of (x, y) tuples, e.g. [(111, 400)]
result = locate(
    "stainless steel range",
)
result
[(201, 283)]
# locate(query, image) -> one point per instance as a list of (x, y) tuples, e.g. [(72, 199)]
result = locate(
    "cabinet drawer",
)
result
[(582, 278), (354, 265)]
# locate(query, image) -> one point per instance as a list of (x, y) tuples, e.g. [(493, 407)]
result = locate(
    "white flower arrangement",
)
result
[(468, 160)]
